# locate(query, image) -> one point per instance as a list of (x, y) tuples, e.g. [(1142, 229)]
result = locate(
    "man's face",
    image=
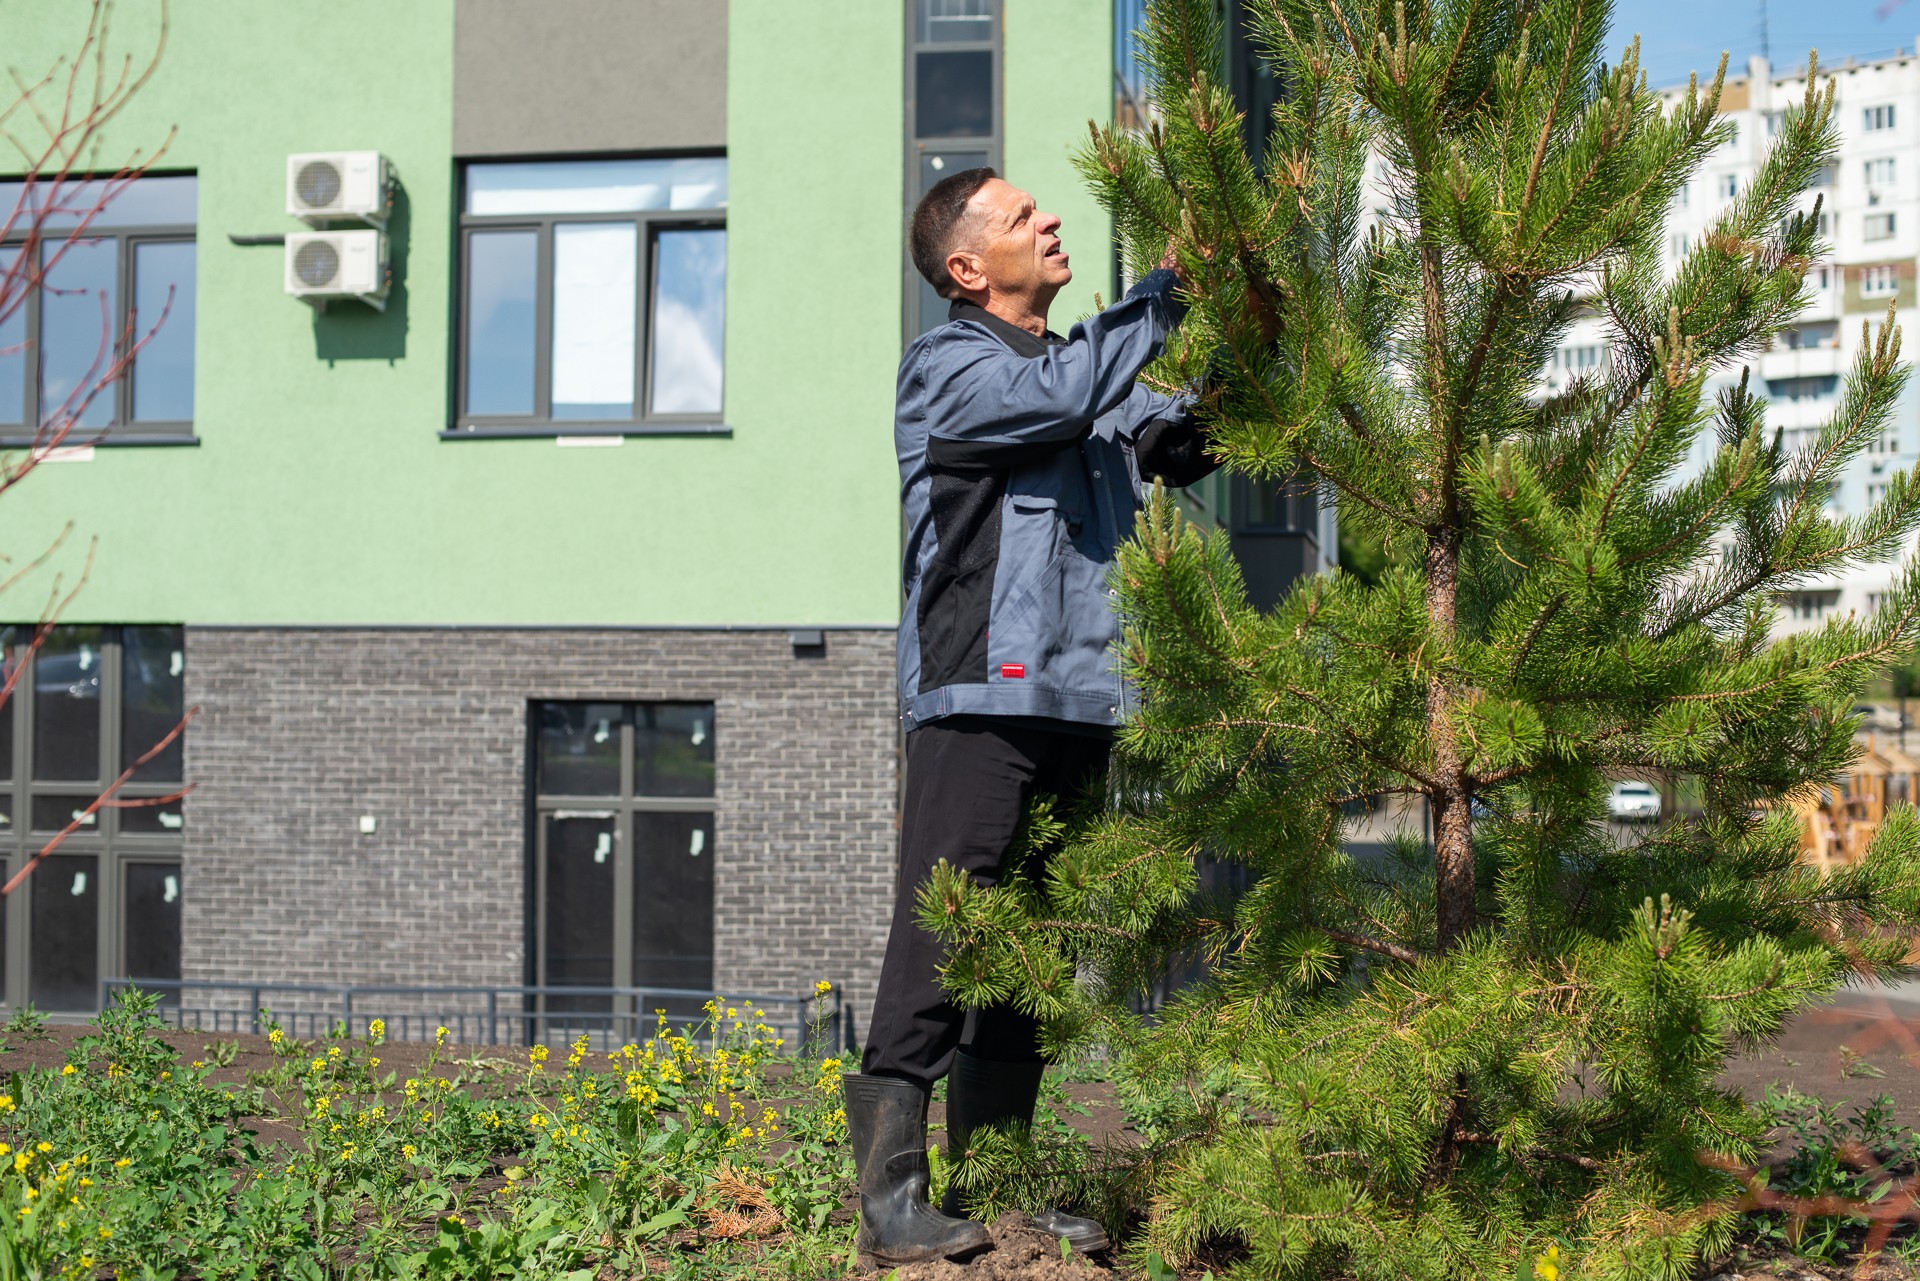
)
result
[(1018, 246)]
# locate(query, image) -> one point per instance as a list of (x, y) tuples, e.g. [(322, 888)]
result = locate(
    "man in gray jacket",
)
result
[(1022, 459)]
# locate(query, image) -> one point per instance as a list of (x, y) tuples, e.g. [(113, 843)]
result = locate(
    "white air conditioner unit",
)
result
[(325, 187), (324, 265)]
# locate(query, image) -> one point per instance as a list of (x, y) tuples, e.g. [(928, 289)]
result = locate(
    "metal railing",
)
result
[(609, 1017)]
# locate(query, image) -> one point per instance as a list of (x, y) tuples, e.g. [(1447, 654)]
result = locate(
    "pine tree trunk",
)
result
[(1451, 801)]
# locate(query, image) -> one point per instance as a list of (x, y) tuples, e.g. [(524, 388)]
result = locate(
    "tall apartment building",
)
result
[(541, 621), (1870, 216)]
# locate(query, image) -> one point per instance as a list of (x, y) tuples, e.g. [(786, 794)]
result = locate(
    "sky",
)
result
[(1680, 36)]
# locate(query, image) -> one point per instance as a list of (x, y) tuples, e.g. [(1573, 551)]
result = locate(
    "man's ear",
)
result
[(967, 271)]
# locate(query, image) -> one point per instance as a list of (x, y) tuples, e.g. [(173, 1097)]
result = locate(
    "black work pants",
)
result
[(970, 780)]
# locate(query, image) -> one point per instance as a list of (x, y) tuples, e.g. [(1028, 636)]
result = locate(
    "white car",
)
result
[(1633, 802)]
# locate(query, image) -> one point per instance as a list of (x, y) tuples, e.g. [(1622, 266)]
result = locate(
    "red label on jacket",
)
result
[(1013, 671)]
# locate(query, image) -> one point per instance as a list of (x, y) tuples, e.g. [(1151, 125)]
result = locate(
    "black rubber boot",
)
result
[(887, 1126), (983, 1093)]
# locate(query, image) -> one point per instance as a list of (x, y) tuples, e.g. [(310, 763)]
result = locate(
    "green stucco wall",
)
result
[(321, 492), (1059, 75)]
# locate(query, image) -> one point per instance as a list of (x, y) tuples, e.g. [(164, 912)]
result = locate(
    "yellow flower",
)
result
[(317, 1065), (407, 1151), (1547, 1266), (276, 1036), (44, 1147), (822, 987), (440, 1035), (538, 1054), (105, 1233), (377, 1031), (68, 1070), (123, 1163)]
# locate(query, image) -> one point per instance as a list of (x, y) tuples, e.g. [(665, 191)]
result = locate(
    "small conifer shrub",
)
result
[(1500, 1044)]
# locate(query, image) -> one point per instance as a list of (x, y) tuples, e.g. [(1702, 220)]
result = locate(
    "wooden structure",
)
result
[(1839, 820)]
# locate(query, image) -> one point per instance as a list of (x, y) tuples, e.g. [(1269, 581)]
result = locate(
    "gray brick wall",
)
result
[(302, 731)]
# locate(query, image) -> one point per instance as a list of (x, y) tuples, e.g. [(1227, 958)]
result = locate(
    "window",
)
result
[(1774, 120), (1887, 442), (593, 297), (1876, 491), (953, 117), (1878, 118), (1882, 281), (1809, 605), (1877, 227), (1800, 390), (1823, 176), (1677, 244), (1879, 173), (623, 858), (92, 702), (130, 265), (1686, 193), (1579, 359), (1817, 334), (1729, 186)]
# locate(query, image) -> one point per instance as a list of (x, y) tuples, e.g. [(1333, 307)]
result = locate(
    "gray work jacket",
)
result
[(1021, 461)]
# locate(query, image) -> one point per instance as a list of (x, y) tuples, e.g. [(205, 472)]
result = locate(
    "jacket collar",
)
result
[(1022, 342)]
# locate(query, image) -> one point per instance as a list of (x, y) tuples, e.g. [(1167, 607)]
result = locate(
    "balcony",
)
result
[(1803, 362)]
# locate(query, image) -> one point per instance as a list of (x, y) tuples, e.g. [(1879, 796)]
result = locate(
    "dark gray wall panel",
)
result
[(302, 731), (532, 76)]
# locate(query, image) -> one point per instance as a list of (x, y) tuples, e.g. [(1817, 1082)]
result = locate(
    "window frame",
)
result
[(123, 430), (648, 223), (991, 145), (113, 850), (620, 810), (1888, 227), (1873, 122)]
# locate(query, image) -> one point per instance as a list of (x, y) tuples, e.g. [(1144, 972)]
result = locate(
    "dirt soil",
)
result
[(1862, 1046)]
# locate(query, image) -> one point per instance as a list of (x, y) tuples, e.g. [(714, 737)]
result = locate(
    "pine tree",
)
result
[(1439, 1063)]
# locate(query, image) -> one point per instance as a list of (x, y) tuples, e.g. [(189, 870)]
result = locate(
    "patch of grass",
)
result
[(682, 1155)]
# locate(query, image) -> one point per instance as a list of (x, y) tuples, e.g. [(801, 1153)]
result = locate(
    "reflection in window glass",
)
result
[(76, 329), (673, 749), (596, 288), (597, 186), (579, 749), (153, 698), (153, 820), (502, 267), (65, 924), (578, 948), (143, 202), (13, 347), (152, 926), (672, 900), (163, 368), (66, 705), (953, 94), (54, 813), (689, 321)]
